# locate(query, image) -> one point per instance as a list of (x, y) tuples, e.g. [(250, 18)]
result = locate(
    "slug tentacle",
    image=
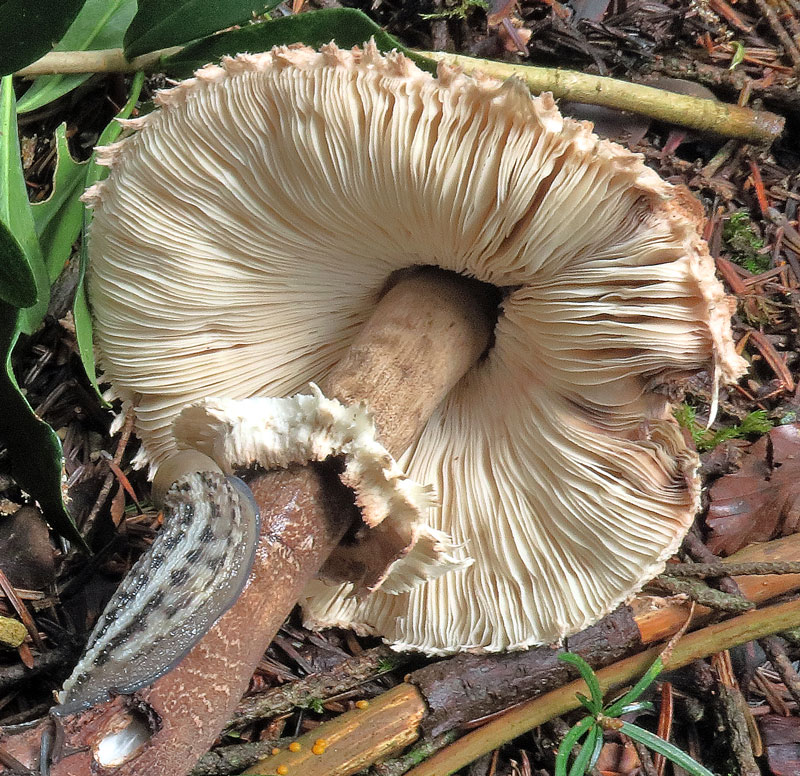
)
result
[(178, 589)]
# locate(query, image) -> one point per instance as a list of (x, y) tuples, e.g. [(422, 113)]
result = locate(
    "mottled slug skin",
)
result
[(191, 575)]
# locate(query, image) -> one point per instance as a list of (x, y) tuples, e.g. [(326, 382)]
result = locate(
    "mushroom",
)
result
[(249, 230), (240, 261)]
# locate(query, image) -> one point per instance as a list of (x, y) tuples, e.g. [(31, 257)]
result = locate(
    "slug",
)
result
[(190, 576)]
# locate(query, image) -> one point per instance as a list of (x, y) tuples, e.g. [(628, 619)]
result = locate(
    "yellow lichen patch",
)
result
[(295, 746), (362, 704), (282, 770)]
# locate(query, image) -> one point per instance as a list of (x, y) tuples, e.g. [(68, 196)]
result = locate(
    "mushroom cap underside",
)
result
[(246, 232)]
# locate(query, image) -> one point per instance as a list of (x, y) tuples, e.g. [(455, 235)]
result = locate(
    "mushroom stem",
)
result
[(426, 332)]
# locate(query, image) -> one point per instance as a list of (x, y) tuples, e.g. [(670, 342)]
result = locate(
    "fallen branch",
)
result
[(697, 645), (693, 112)]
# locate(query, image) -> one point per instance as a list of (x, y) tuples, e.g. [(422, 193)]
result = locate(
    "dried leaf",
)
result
[(759, 502)]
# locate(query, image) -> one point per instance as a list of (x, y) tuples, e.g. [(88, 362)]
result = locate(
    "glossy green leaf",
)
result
[(30, 28), (17, 285), (162, 23), (59, 218), (100, 24), (34, 449), (670, 751), (595, 704), (94, 172), (615, 709), (15, 214), (347, 27), (575, 734)]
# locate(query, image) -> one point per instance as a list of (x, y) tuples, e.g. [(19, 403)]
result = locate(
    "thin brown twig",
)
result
[(664, 724), (720, 569), (698, 591), (775, 648), (124, 437), (21, 610), (768, 12)]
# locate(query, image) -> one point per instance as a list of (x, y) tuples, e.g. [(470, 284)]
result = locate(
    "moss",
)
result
[(742, 241), (706, 439), (459, 9)]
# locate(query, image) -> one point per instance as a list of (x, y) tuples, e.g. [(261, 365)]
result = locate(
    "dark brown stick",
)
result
[(348, 674)]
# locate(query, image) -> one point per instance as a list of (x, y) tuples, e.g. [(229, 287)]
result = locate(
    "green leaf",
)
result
[(17, 285), (94, 172), (590, 751), (29, 28), (738, 56), (615, 709), (670, 751), (588, 676), (162, 23), (99, 25), (575, 733), (34, 449), (59, 218), (15, 214), (347, 27)]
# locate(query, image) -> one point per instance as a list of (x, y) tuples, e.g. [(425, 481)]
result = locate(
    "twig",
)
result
[(697, 591), (60, 657), (100, 61), (733, 80), (720, 569), (345, 676), (355, 739), (694, 545), (124, 437), (645, 759), (226, 760), (776, 652), (734, 710), (775, 23), (694, 112), (664, 730), (21, 610), (422, 751)]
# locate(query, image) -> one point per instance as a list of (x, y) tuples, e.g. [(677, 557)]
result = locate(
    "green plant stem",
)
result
[(100, 61), (700, 644), (681, 109), (694, 112)]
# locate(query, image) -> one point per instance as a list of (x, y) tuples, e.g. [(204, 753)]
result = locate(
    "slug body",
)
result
[(192, 574)]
